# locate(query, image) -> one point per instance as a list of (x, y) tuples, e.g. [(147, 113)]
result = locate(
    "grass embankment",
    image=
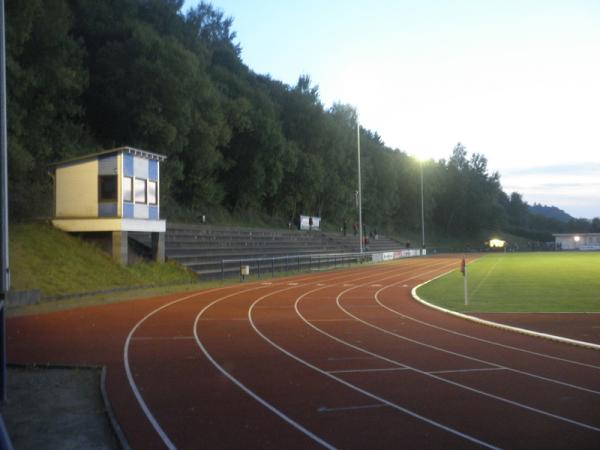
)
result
[(56, 263), (522, 282)]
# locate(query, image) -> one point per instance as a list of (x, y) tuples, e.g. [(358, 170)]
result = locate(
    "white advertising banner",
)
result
[(305, 223)]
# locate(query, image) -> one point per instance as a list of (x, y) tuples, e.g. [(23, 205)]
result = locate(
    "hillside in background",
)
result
[(552, 212), (85, 75)]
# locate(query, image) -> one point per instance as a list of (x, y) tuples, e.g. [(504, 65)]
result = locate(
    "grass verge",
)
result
[(56, 263), (522, 282)]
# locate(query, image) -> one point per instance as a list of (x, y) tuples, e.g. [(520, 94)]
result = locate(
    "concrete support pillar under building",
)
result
[(158, 247), (119, 247)]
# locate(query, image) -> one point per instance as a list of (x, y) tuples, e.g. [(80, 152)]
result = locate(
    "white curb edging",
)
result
[(501, 326)]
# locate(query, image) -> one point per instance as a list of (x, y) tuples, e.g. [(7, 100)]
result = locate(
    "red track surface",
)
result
[(343, 359)]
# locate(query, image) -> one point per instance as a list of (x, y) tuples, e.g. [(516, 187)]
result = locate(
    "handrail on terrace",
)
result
[(296, 263)]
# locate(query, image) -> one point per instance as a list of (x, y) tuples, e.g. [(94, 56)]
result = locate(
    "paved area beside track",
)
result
[(343, 359)]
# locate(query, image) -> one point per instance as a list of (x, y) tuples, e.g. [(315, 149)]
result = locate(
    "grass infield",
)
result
[(522, 282)]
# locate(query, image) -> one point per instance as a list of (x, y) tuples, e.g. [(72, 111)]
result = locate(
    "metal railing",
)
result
[(294, 263)]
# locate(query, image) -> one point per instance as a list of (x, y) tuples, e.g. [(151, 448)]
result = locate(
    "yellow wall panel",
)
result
[(77, 190)]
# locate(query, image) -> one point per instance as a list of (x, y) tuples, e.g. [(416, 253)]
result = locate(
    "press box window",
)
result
[(127, 189), (153, 192), (140, 190), (107, 188)]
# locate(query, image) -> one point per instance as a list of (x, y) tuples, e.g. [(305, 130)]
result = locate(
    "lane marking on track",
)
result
[(331, 320), (505, 327), (356, 388), (487, 369), (468, 336), (324, 409), (364, 306), (349, 358), (246, 389), (461, 355), (161, 338), (454, 383), (293, 284), (386, 369), (136, 392), (224, 319)]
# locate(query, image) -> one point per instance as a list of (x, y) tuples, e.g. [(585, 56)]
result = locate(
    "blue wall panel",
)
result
[(127, 165), (153, 213), (128, 210), (107, 209), (153, 170)]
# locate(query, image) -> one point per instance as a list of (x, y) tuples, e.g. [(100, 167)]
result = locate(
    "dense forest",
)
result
[(86, 75)]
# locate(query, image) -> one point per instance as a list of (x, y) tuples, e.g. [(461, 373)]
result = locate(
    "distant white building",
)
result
[(577, 241)]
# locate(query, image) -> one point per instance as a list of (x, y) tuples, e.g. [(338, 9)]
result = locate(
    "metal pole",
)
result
[(422, 213), (4, 267), (360, 227)]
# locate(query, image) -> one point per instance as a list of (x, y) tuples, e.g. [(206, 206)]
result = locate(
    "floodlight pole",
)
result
[(4, 267), (360, 227), (422, 212)]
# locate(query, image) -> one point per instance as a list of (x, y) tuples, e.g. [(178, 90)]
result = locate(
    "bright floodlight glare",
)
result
[(497, 243), (577, 238)]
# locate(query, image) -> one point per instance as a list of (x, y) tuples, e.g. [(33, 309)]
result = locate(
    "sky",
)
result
[(517, 81)]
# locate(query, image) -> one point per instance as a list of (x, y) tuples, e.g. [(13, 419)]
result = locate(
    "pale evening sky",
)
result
[(518, 81)]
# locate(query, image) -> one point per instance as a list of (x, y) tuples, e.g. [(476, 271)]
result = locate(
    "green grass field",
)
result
[(522, 282)]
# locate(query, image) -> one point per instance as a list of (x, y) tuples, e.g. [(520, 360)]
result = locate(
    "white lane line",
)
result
[(243, 387), (324, 409), (462, 355), (486, 341), (454, 383), (501, 326), (356, 388), (349, 358), (223, 319), (149, 416), (488, 369), (364, 306), (333, 320), (484, 279), (138, 396), (387, 369), (161, 338), (246, 389)]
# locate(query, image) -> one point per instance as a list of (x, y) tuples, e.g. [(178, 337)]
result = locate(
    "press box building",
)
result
[(114, 191)]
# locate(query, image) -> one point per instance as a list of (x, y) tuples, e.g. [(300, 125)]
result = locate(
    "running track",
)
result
[(343, 359)]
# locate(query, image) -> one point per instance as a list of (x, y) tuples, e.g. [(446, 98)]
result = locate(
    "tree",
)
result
[(45, 79)]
